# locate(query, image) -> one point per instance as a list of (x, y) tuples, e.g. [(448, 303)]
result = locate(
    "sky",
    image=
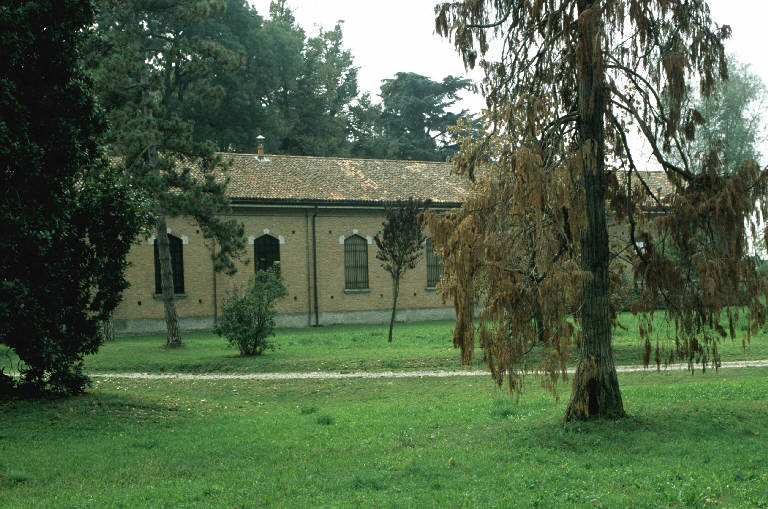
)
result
[(398, 35), (383, 41)]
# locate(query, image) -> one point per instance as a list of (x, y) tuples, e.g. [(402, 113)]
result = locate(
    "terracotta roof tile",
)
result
[(332, 179)]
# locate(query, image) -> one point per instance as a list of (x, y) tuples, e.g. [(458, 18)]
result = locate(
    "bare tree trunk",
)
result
[(108, 329), (395, 292), (595, 385), (173, 338)]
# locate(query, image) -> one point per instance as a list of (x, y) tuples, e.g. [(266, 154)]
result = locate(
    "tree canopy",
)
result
[(565, 81), (262, 74), (266, 77), (67, 219), (414, 113), (151, 60)]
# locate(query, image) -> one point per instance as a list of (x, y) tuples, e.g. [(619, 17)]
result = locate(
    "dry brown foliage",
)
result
[(530, 248)]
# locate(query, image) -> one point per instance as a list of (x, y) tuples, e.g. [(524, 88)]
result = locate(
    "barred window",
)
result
[(355, 263), (177, 265), (434, 266), (266, 252)]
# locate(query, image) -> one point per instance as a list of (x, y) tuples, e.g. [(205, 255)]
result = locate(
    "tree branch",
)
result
[(646, 130)]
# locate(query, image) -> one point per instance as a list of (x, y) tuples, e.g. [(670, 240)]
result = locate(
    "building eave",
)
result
[(310, 203)]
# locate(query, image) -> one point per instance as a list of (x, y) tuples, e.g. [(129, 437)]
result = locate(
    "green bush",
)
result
[(248, 317)]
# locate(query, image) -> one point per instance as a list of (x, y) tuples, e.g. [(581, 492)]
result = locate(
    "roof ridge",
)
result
[(336, 158)]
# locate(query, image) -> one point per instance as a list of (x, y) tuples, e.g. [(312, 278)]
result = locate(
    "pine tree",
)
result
[(415, 114), (151, 60)]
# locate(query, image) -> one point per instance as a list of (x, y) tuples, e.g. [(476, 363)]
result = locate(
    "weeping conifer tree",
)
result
[(532, 244)]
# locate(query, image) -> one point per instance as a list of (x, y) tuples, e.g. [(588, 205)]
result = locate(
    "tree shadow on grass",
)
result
[(662, 429), (94, 411)]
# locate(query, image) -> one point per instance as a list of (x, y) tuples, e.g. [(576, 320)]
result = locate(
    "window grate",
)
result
[(266, 252), (177, 265), (434, 266), (355, 263)]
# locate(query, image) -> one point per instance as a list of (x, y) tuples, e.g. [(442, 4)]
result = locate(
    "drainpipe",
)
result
[(314, 265), (309, 273), (215, 302)]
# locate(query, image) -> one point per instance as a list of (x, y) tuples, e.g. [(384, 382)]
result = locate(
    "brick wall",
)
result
[(293, 228)]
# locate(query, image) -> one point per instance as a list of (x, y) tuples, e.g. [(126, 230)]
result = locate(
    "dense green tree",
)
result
[(293, 89), (366, 130), (531, 242), (284, 45), (414, 113), (67, 220), (316, 104), (234, 112), (400, 244), (153, 59)]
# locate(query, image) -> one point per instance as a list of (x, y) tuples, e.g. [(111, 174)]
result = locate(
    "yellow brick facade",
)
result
[(142, 311), (311, 204)]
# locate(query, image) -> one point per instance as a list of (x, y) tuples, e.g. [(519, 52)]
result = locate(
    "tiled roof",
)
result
[(656, 180), (332, 179), (305, 179)]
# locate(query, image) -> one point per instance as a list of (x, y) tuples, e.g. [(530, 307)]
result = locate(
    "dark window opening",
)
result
[(434, 266), (177, 265), (355, 263), (266, 252)]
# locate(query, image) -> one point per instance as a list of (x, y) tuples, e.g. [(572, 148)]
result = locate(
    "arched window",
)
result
[(434, 266), (177, 265), (355, 263), (266, 252)]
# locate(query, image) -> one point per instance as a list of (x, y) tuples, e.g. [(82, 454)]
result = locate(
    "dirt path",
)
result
[(382, 374)]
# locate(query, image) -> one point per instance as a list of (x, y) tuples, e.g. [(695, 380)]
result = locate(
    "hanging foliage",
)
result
[(570, 83)]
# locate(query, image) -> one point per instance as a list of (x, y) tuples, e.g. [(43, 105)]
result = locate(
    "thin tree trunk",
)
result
[(595, 385), (395, 292), (173, 338), (108, 329)]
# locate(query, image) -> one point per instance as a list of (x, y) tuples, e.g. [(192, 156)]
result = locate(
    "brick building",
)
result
[(318, 217)]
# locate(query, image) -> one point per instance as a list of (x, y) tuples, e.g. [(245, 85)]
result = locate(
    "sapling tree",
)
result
[(400, 244), (569, 80)]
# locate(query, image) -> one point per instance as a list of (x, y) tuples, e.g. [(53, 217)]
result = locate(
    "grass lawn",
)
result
[(345, 348), (689, 441)]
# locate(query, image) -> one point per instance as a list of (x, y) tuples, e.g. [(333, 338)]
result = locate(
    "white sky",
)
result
[(399, 35), (384, 37)]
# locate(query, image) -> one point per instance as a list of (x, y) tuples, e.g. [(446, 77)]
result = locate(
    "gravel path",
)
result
[(383, 374)]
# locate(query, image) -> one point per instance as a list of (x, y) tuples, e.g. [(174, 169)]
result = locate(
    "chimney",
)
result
[(260, 150)]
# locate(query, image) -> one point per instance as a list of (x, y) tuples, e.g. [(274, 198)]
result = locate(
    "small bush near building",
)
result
[(248, 317)]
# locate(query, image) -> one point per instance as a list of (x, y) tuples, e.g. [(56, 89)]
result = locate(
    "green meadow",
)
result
[(347, 348), (690, 439)]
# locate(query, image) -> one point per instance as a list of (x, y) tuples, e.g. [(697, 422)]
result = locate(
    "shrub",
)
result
[(68, 218), (248, 317)]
